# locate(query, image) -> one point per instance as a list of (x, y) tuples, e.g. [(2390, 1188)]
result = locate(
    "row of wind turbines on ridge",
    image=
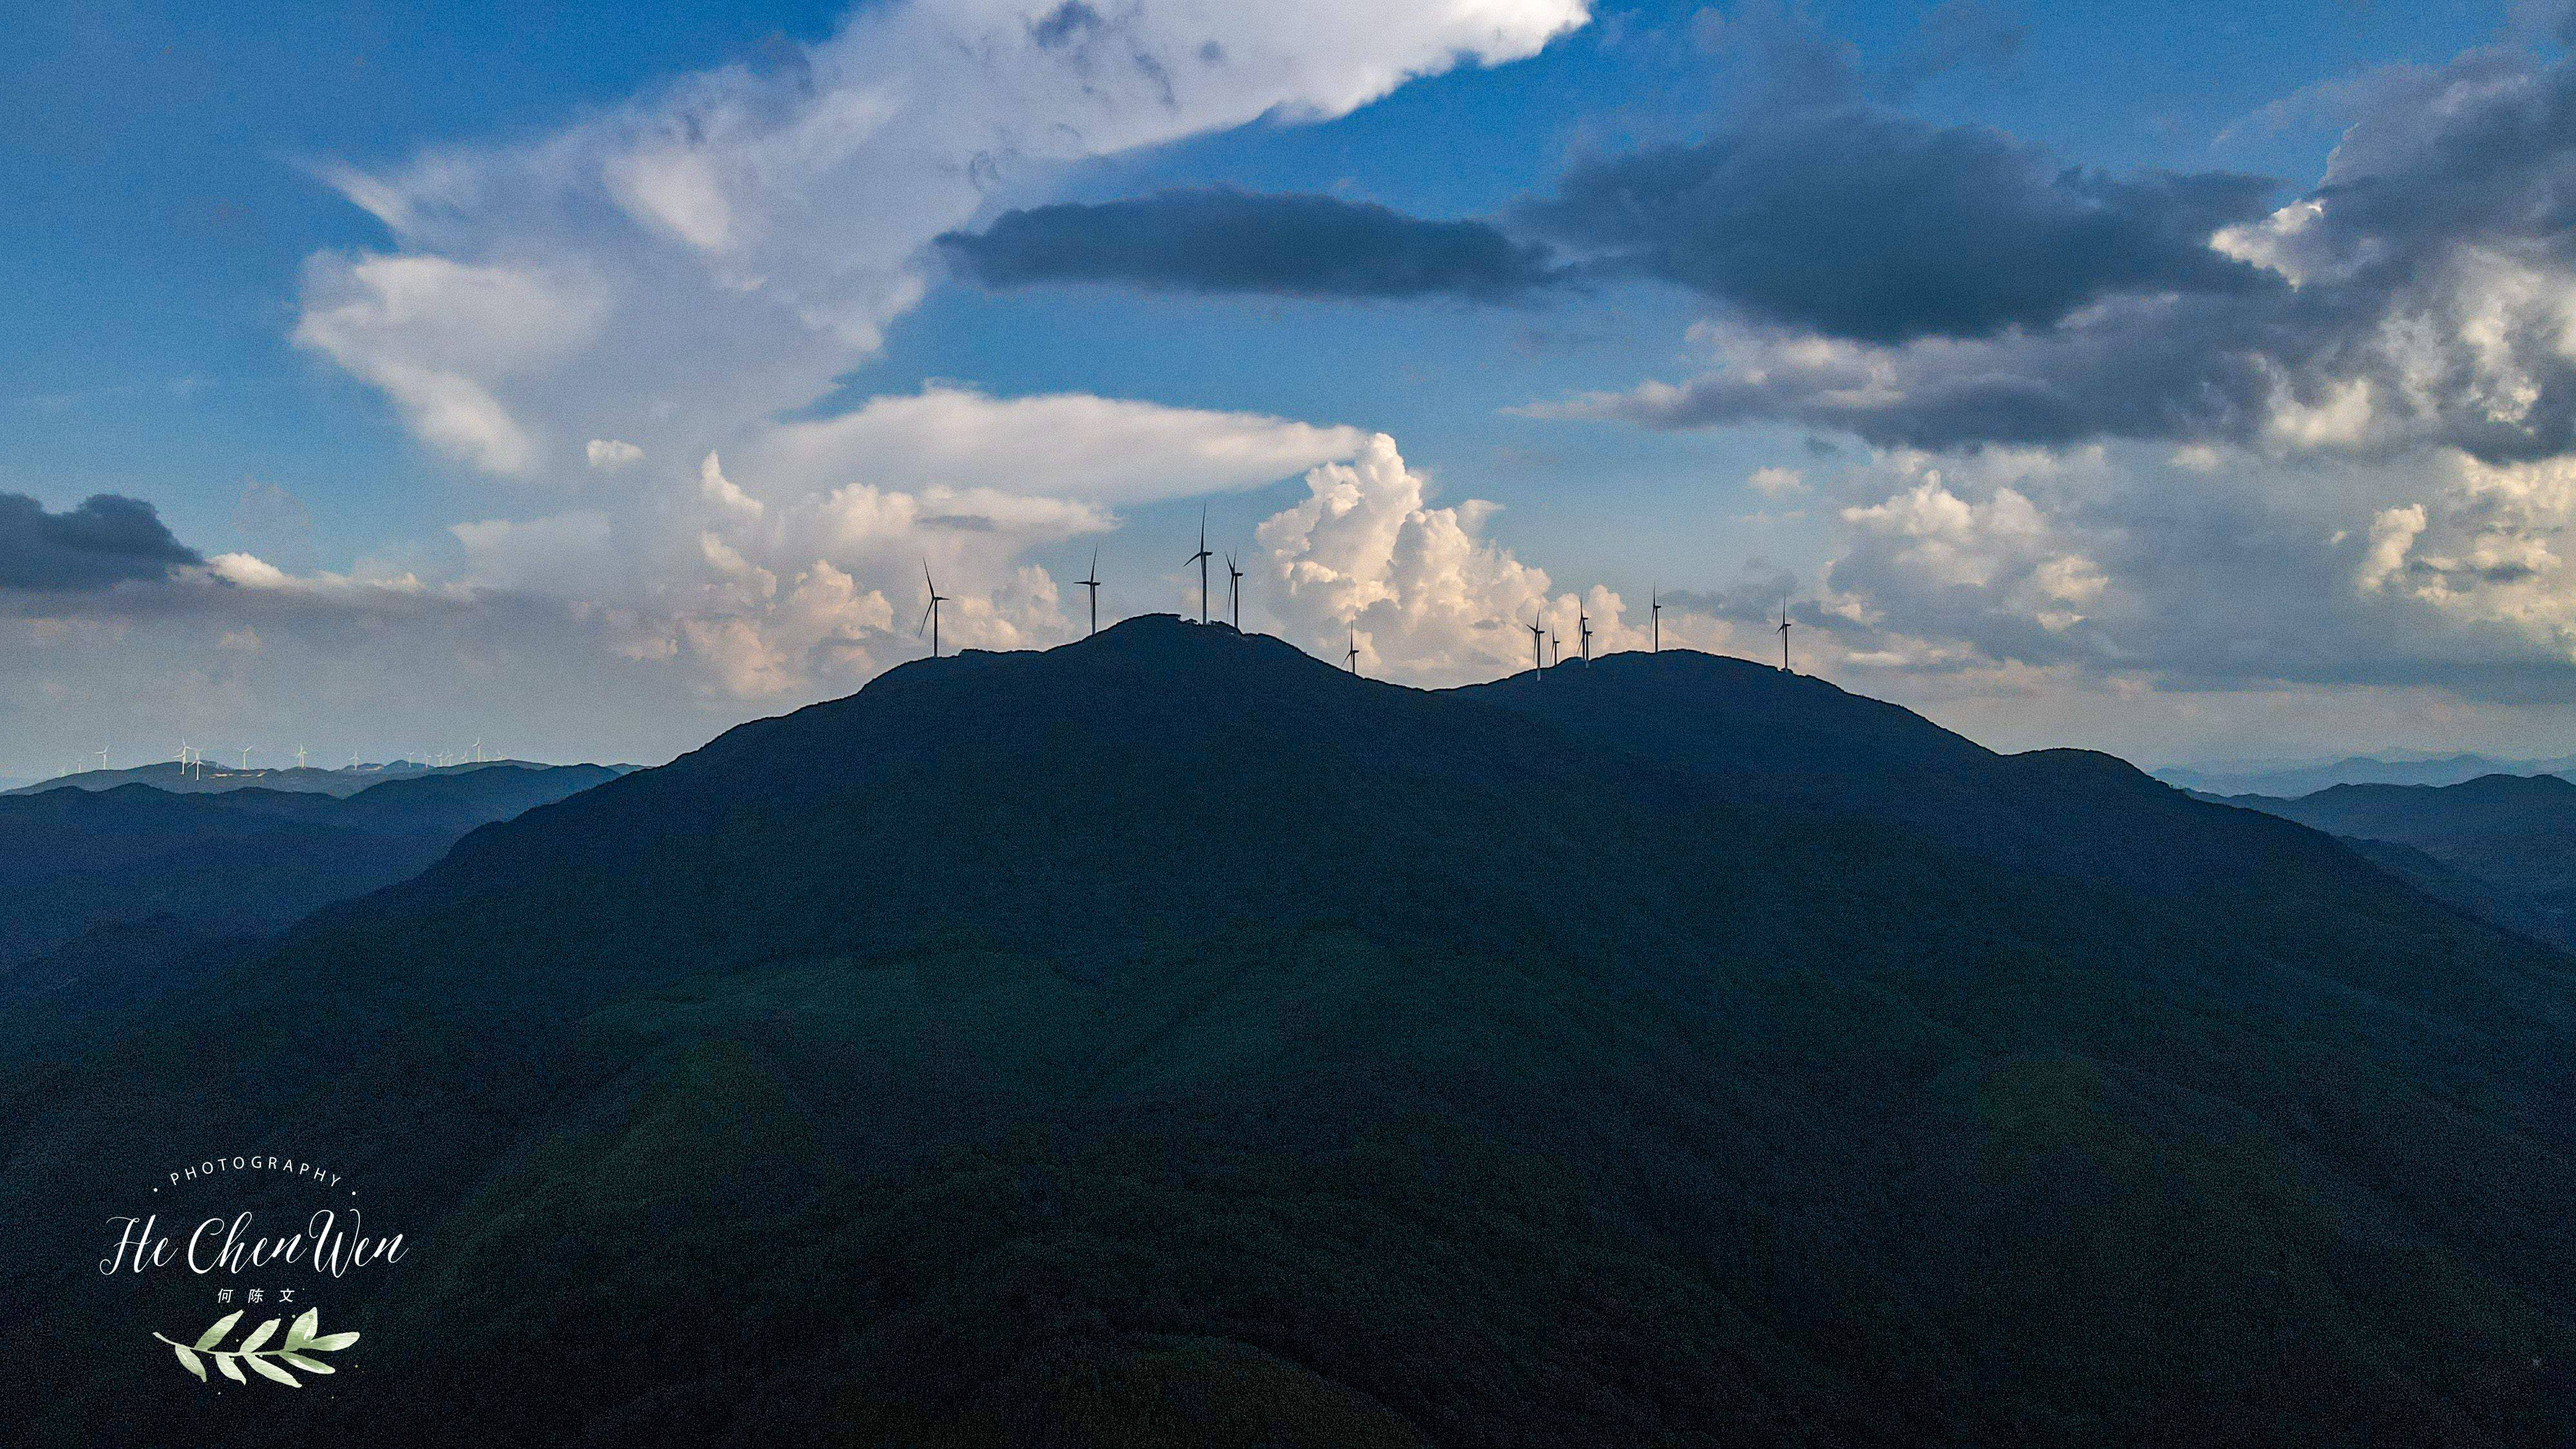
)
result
[(191, 758), (1542, 654)]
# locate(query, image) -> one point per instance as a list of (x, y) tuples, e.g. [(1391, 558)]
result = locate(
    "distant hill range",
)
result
[(103, 890), (2502, 845), (1172, 1039), (212, 778), (2295, 780)]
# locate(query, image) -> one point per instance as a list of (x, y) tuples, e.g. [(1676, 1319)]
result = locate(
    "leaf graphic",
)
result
[(300, 1343), (215, 1335)]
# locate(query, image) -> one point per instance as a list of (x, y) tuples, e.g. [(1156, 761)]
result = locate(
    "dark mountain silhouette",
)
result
[(142, 872), (1788, 741), (1170, 1039), (2506, 844)]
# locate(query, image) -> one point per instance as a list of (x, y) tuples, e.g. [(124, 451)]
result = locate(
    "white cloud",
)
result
[(681, 268), (2392, 533), (1104, 450), (668, 278), (1429, 598), (442, 338), (1777, 482), (716, 488), (1948, 540), (611, 453)]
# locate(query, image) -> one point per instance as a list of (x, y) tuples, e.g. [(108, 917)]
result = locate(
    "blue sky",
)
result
[(384, 451)]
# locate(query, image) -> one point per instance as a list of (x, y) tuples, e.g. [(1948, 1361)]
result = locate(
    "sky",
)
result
[(2191, 381)]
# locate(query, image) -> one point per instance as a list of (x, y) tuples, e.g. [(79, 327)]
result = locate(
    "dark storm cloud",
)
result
[(2428, 264), (106, 540), (1222, 240), (1853, 223), (1861, 224)]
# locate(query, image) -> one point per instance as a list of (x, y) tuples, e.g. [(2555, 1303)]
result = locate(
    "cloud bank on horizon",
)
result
[(2186, 432)]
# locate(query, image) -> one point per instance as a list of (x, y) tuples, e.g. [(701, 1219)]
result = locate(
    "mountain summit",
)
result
[(1170, 1038)]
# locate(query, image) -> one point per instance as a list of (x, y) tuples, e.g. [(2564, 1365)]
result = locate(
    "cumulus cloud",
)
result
[(679, 269), (669, 288), (107, 540), (2419, 297), (1425, 593), (612, 453), (2392, 533), (1221, 240)]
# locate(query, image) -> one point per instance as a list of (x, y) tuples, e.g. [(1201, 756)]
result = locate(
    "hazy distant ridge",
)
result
[(2297, 780)]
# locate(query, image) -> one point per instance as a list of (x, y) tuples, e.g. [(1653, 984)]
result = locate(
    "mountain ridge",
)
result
[(1168, 1021)]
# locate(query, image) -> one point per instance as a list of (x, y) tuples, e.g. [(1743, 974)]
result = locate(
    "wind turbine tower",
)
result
[(1657, 615), (1555, 651), (1583, 622), (1093, 583), (1784, 633), (930, 615), (1234, 592), (1354, 652), (245, 753), (1201, 559), (102, 757), (299, 757), (1538, 649)]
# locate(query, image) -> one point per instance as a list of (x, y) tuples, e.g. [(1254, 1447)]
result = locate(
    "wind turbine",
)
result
[(478, 749), (1234, 592), (1555, 651), (1583, 622), (1093, 583), (930, 615), (245, 759), (1201, 559), (1354, 652), (299, 757), (1784, 633), (1657, 614), (102, 757), (1538, 653)]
